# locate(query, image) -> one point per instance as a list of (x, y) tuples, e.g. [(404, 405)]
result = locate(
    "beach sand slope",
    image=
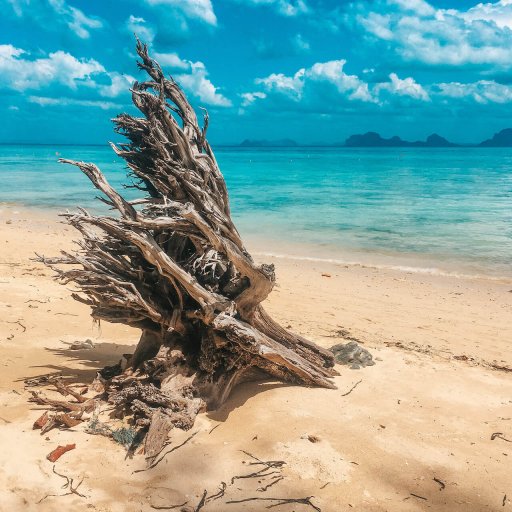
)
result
[(414, 434)]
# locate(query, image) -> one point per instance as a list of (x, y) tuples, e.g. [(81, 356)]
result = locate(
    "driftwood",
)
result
[(173, 265)]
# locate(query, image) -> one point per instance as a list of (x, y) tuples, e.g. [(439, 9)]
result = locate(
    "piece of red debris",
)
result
[(59, 451)]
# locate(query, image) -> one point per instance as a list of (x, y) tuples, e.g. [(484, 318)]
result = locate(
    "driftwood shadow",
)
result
[(241, 394), (91, 360), (107, 354)]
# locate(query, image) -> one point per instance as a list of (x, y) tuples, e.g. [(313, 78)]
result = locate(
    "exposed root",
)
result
[(173, 265)]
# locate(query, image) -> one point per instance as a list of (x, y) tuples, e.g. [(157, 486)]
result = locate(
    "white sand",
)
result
[(417, 414)]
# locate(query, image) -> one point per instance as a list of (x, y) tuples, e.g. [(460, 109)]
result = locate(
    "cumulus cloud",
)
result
[(284, 7), (19, 72), (406, 87), (482, 91), (171, 59), (318, 82), (499, 13), (59, 69), (60, 12), (90, 81), (193, 77), (196, 82), (326, 88), (201, 10), (418, 32), (45, 101)]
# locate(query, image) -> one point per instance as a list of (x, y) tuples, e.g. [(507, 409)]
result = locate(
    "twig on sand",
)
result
[(170, 507), (352, 388), (19, 323), (504, 502), (67, 485), (418, 496), (157, 461), (202, 503), (274, 482), (270, 468), (216, 426), (499, 435), (219, 494), (440, 482), (281, 501)]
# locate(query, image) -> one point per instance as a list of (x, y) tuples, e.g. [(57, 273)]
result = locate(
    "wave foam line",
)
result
[(401, 268)]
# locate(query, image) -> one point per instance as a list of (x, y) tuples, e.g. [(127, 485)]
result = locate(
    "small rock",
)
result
[(352, 355), (310, 438), (8, 221), (82, 345)]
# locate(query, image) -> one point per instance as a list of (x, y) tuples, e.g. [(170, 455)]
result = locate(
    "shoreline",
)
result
[(306, 252)]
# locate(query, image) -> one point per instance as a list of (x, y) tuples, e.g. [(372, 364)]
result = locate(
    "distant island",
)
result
[(373, 139), (502, 139)]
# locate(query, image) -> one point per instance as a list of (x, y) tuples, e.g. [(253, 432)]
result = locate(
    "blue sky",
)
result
[(313, 70)]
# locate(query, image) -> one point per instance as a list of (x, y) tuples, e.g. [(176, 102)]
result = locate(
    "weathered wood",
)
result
[(173, 265)]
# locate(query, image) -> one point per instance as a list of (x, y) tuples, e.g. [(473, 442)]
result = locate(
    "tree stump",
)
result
[(173, 265)]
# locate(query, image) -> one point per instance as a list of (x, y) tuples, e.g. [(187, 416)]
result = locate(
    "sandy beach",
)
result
[(414, 434)]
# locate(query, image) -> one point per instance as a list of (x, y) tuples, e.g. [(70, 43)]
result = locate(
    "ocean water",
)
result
[(425, 210)]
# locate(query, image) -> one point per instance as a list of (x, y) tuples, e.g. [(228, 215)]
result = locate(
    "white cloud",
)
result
[(248, 98), (171, 59), (60, 69), (497, 12), (406, 87), (291, 86), (194, 9), (118, 84), (483, 91), (140, 28), (20, 73), (59, 12), (193, 76), (284, 7), (420, 7), (302, 83), (418, 32), (45, 101), (75, 19), (326, 89), (196, 82)]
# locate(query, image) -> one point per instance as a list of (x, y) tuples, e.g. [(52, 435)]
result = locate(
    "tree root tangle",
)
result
[(173, 265)]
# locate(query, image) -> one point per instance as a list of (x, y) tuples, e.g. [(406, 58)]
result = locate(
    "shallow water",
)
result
[(433, 210)]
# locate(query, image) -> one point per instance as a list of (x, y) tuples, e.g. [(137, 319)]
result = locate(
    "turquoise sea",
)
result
[(426, 210)]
